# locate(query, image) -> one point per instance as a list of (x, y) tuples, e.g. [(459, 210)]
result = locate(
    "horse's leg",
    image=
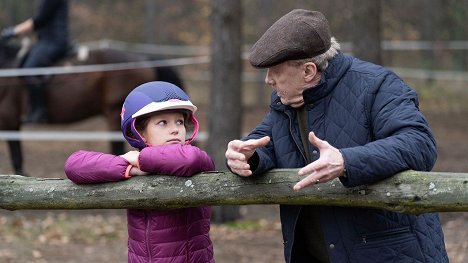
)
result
[(16, 155), (113, 122)]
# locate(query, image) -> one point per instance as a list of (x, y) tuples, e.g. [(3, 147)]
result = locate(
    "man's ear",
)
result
[(310, 71)]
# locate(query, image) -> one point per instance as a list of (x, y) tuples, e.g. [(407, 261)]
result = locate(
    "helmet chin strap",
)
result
[(195, 130), (139, 138)]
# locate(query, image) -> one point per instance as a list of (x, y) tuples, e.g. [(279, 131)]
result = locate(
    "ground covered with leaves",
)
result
[(101, 236)]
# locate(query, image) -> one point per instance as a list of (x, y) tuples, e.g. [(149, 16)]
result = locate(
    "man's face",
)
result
[(288, 81)]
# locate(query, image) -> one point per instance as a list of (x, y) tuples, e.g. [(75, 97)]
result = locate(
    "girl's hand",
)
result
[(135, 171), (131, 157)]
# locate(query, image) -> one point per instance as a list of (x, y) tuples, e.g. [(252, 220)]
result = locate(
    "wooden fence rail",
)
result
[(409, 192)]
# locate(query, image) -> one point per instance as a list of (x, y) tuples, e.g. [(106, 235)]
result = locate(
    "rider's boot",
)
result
[(37, 112)]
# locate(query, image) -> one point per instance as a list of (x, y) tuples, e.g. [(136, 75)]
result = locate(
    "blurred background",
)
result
[(424, 41)]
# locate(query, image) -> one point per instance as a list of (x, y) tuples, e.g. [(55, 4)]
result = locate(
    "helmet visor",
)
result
[(165, 105)]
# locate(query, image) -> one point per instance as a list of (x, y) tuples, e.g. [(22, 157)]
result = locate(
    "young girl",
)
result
[(155, 118)]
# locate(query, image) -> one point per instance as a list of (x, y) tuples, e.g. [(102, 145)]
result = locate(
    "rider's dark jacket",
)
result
[(372, 117), (51, 25), (51, 21)]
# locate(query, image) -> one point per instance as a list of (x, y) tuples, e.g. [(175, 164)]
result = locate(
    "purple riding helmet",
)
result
[(151, 97)]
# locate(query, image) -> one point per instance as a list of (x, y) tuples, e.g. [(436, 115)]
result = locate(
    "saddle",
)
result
[(37, 85), (74, 51)]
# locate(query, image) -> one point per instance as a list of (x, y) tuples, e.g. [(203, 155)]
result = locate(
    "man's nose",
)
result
[(268, 79)]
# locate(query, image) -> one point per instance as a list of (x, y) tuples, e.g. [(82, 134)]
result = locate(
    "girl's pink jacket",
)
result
[(180, 235)]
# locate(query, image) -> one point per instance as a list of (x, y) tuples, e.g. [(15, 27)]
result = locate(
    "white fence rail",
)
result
[(71, 136)]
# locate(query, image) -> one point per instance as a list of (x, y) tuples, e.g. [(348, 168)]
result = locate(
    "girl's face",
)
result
[(165, 128)]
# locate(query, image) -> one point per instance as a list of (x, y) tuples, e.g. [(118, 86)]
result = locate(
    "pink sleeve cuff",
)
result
[(138, 162), (127, 171)]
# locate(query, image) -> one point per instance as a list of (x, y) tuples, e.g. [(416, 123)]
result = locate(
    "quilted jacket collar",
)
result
[(337, 67)]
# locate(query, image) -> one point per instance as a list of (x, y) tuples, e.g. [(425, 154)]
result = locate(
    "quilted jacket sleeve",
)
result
[(175, 159), (402, 138), (87, 167)]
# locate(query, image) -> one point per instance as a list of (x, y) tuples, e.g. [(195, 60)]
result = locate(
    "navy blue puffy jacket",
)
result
[(372, 116)]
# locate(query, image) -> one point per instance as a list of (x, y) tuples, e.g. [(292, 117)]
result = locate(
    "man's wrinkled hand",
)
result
[(329, 166), (239, 152)]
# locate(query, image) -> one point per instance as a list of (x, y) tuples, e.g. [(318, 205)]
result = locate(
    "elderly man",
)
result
[(335, 116)]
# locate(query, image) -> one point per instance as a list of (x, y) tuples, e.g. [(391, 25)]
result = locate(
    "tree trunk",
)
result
[(149, 31), (407, 192), (225, 122)]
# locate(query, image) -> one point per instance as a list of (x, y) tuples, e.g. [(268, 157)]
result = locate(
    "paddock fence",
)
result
[(408, 192)]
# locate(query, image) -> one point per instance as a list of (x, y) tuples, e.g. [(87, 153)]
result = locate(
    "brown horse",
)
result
[(77, 96)]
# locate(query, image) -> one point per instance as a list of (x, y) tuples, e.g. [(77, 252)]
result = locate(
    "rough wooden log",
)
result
[(409, 192)]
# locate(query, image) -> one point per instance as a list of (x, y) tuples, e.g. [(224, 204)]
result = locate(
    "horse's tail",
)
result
[(169, 74)]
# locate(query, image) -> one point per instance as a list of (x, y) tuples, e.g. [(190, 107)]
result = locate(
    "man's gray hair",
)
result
[(321, 61)]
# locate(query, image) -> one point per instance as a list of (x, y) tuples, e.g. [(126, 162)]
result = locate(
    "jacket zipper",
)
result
[(147, 236), (294, 138), (370, 237), (305, 160)]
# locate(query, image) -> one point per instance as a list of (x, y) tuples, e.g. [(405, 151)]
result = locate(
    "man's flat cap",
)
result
[(297, 35)]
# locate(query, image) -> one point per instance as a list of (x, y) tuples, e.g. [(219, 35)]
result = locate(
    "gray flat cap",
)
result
[(297, 35)]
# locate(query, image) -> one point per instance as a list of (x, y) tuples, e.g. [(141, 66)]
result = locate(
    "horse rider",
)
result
[(50, 23)]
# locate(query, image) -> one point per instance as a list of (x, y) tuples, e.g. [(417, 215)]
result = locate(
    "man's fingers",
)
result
[(249, 145), (320, 144), (317, 166), (304, 183), (235, 145), (306, 170), (233, 155), (244, 173), (239, 151), (263, 141), (253, 144), (234, 150), (240, 168), (310, 180), (238, 165)]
